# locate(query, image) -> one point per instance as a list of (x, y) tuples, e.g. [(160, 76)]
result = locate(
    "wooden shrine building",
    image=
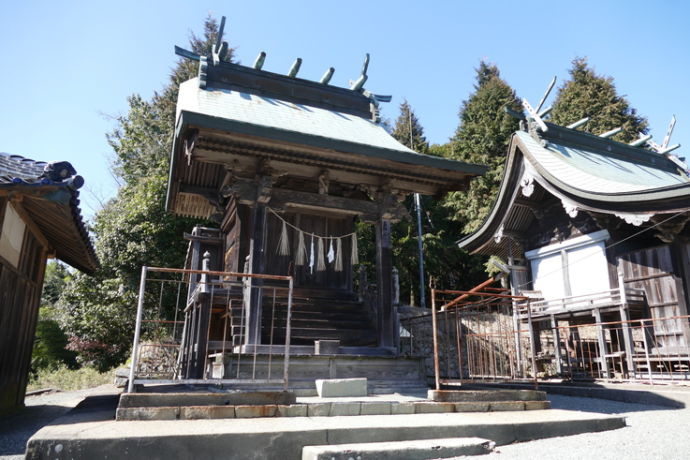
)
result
[(596, 231), (39, 218), (286, 166)]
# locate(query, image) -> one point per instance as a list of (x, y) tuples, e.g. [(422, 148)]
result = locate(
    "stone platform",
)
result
[(88, 434)]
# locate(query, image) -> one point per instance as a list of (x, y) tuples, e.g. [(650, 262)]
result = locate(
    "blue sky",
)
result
[(68, 67)]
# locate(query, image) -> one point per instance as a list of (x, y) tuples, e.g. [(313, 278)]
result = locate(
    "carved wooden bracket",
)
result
[(324, 182), (189, 144)]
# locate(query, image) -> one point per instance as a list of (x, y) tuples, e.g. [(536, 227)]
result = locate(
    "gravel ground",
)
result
[(653, 432), (40, 410)]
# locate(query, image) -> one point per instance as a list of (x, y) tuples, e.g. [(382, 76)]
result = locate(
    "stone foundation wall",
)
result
[(416, 340)]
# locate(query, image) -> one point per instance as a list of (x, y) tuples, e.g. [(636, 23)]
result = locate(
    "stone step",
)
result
[(317, 306), (347, 337), (308, 368), (205, 399), (418, 449), (325, 321), (485, 395), (181, 411)]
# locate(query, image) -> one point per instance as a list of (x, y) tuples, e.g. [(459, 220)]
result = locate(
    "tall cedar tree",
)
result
[(407, 121), (133, 229), (444, 261), (587, 94), (482, 137)]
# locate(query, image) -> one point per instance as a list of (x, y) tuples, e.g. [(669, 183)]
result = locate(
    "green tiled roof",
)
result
[(246, 113)]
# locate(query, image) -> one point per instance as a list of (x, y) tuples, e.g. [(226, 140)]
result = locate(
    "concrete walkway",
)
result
[(653, 432)]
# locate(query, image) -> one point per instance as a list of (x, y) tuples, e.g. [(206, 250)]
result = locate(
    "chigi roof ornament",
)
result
[(535, 114), (219, 53)]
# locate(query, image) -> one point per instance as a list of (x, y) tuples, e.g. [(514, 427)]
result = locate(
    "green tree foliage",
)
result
[(587, 94), (50, 341), (482, 138), (54, 281), (133, 229)]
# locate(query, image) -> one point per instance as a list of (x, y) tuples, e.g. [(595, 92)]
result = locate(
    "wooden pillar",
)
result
[(257, 243), (386, 315), (557, 345), (517, 278), (603, 362), (202, 309), (627, 340)]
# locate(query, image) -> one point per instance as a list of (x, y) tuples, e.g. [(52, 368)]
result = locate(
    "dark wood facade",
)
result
[(20, 295)]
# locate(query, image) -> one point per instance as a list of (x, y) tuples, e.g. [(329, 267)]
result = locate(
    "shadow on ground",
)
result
[(17, 428), (636, 397)]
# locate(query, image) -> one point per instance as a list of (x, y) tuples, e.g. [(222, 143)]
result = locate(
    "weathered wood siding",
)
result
[(231, 228), (20, 295), (655, 270)]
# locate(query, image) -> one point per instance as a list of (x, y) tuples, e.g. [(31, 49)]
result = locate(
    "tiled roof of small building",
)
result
[(55, 212), (17, 168)]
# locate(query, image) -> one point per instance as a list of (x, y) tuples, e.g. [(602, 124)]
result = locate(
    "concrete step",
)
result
[(418, 449), (486, 395), (81, 436)]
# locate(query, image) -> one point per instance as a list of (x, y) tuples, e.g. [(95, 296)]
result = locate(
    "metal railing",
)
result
[(611, 297), (633, 350), (500, 337), (202, 326), (479, 331)]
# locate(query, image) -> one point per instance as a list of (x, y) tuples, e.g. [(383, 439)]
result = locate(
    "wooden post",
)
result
[(627, 340), (532, 345), (557, 345), (386, 316), (203, 307), (603, 362), (515, 282), (257, 244), (627, 332), (434, 333)]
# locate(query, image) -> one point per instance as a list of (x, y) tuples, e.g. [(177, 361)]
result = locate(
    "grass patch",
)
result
[(63, 378)]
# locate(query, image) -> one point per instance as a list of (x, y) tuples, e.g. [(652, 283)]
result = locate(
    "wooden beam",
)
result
[(368, 211), (317, 201), (246, 191), (218, 146)]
